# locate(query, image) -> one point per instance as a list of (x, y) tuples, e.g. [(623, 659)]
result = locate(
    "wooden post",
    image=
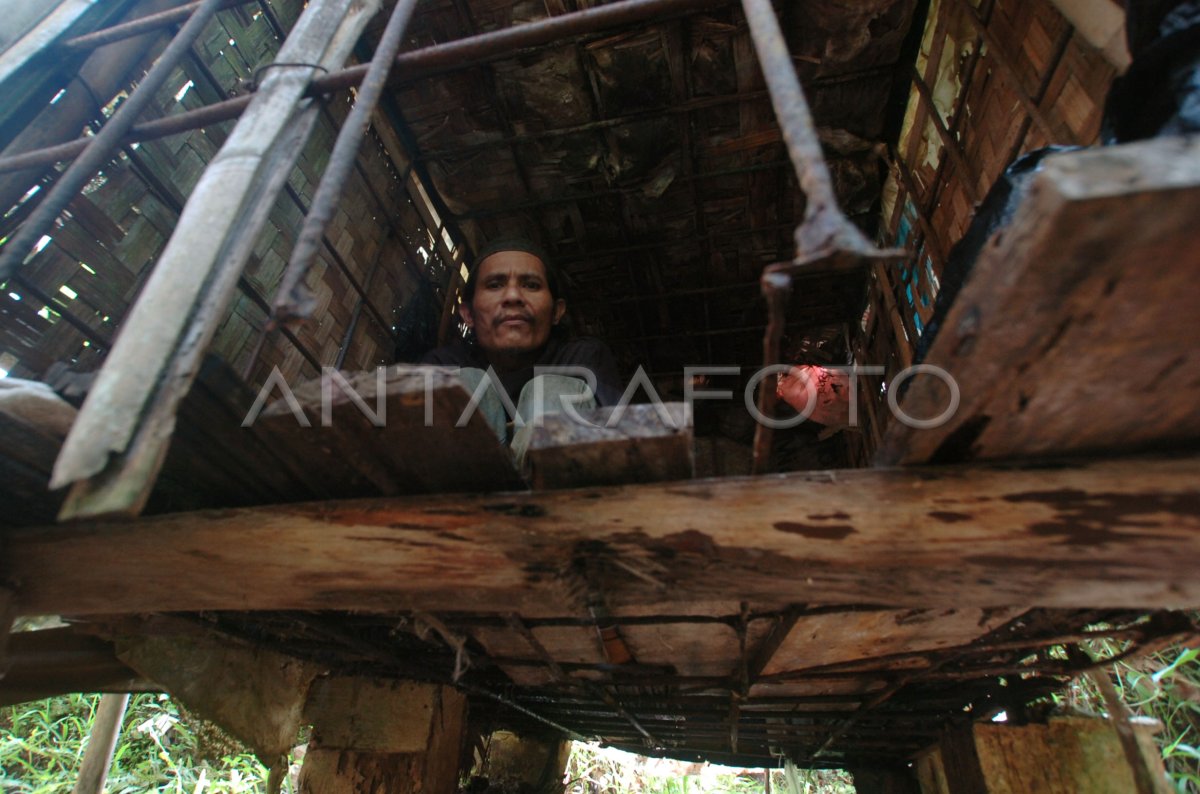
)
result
[(106, 729), (884, 780), (1064, 756), (525, 762), (371, 735)]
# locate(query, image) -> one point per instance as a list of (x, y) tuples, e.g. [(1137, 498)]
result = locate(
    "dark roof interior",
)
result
[(649, 164)]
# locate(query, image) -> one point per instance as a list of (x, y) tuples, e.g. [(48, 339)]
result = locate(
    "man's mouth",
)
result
[(514, 320)]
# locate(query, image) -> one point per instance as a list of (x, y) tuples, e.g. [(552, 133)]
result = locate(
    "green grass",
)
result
[(162, 749)]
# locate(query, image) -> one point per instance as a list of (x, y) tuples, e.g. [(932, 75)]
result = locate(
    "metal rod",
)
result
[(515, 207), (824, 227), (100, 148), (336, 256), (474, 50), (134, 27), (594, 126), (293, 301), (419, 63), (776, 289)]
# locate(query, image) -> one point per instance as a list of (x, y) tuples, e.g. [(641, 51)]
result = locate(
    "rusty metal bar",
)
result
[(517, 625), (515, 207), (824, 227), (472, 51), (776, 289), (293, 301), (419, 63), (100, 148), (135, 27), (826, 240), (159, 128)]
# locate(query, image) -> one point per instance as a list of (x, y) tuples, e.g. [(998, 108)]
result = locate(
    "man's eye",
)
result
[(533, 284)]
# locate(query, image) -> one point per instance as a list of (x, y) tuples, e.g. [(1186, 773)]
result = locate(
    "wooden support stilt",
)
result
[(1064, 756), (389, 736), (106, 729), (526, 762), (884, 780)]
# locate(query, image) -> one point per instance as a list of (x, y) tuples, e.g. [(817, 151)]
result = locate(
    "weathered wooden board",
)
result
[(417, 448), (579, 644), (1076, 331), (709, 649), (818, 640), (1096, 534), (640, 446)]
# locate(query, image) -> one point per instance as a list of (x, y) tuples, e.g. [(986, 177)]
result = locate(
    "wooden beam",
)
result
[(1105, 534), (1100, 265)]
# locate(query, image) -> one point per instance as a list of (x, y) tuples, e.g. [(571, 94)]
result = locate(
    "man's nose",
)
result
[(512, 293)]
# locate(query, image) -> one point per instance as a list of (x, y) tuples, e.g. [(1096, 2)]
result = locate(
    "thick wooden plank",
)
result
[(418, 448), (827, 639), (1103, 355), (1096, 534), (639, 447)]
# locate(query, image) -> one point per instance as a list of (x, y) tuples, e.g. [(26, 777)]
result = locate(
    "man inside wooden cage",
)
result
[(516, 337)]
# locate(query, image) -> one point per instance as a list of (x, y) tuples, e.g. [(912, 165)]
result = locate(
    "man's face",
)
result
[(513, 311)]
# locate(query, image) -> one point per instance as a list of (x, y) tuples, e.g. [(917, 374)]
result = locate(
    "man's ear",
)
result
[(560, 308), (464, 311)]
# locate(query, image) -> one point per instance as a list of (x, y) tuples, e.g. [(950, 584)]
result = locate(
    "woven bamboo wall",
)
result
[(105, 247), (1001, 78)]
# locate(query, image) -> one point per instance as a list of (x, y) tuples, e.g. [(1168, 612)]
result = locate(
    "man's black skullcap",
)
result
[(512, 244)]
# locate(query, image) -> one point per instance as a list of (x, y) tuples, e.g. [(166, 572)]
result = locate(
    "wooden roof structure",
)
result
[(832, 613)]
